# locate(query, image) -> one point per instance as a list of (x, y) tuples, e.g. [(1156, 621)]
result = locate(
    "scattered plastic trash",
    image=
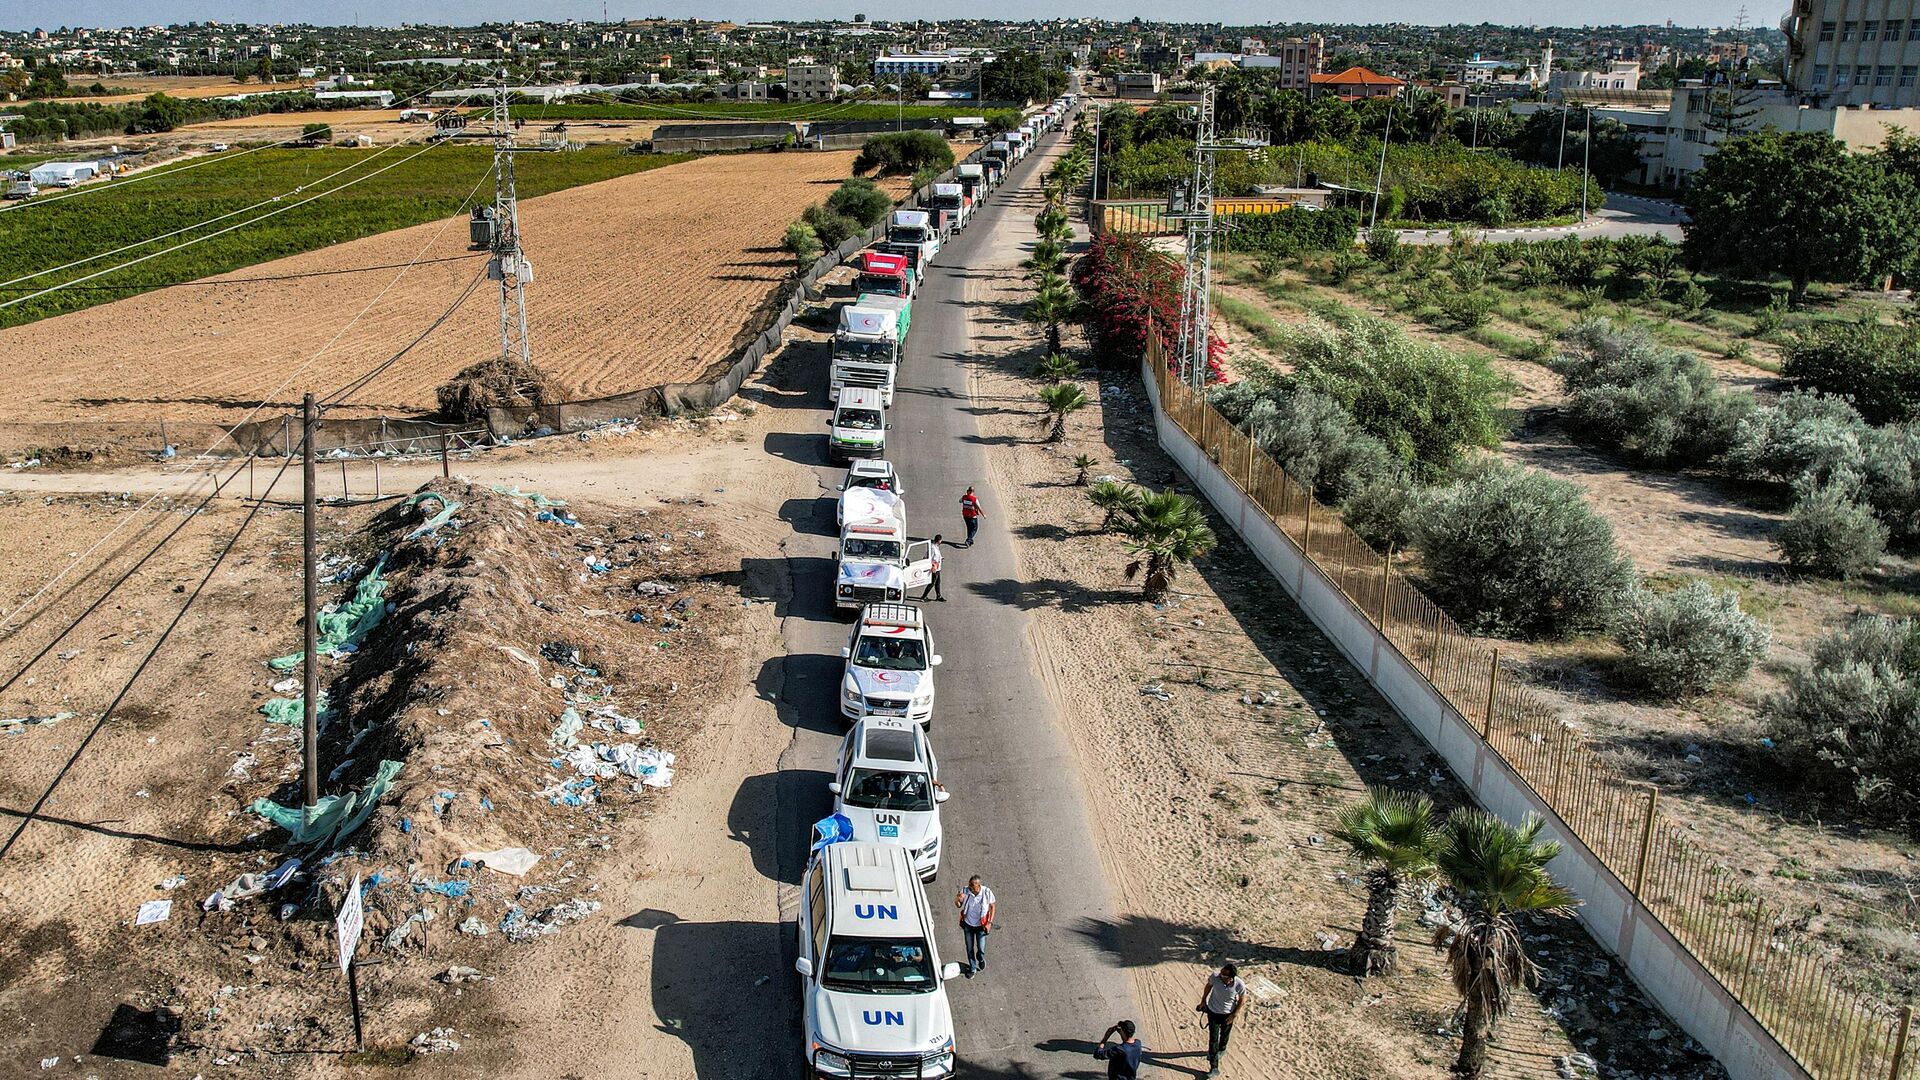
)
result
[(1573, 1066), (566, 729), (1156, 690), (474, 926), (519, 927), (453, 890), (174, 882), (49, 1062), (533, 497), (398, 935), (520, 656), (438, 1041), (334, 816), (153, 911), (448, 507), (292, 711), (654, 588), (344, 626), (511, 860), (14, 725), (458, 974), (650, 766), (559, 517), (247, 886)]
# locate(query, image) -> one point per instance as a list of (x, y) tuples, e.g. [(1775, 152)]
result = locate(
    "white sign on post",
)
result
[(348, 923)]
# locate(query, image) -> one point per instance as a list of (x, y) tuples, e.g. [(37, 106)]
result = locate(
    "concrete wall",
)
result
[(1657, 962)]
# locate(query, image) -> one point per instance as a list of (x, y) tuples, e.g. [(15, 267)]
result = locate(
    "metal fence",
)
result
[(1794, 986)]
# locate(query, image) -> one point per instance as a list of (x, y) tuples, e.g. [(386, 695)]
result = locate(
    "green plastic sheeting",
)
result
[(346, 626), (448, 507), (288, 710), (333, 818), (533, 497)]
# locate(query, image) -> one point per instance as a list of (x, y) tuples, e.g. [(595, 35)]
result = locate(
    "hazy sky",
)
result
[(22, 14)]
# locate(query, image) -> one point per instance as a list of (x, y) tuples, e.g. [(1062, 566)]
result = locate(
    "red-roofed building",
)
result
[(1357, 82)]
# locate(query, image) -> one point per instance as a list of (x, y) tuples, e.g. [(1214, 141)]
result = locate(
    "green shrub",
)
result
[(860, 199), (1687, 642), (1342, 264), (1295, 231), (802, 243), (832, 229), (1890, 479), (1511, 550), (1308, 434), (1385, 248), (1803, 434), (1430, 406), (1574, 262), (1874, 364), (1768, 320), (1382, 511), (1850, 721), (1693, 299), (1465, 310), (1828, 534), (904, 153), (1632, 395)]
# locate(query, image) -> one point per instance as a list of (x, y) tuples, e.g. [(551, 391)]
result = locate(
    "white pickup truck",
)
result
[(866, 349), (871, 489), (879, 562), (890, 662)]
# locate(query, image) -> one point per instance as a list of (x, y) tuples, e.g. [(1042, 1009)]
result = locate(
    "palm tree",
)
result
[(1498, 871), (1053, 224), (1062, 400), (1053, 303), (1164, 531), (1081, 464), (1394, 835), (1049, 257), (1056, 368), (1115, 498)]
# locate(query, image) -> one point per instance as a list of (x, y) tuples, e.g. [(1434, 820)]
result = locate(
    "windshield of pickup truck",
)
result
[(891, 653), (880, 789), (859, 547), (879, 965), (863, 350)]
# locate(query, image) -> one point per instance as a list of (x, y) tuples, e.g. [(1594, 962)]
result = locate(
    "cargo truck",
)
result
[(914, 227), (866, 350), (913, 253), (973, 181), (883, 274), (951, 201), (901, 306)]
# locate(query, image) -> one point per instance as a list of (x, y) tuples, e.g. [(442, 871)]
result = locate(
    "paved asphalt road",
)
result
[(1017, 816), (1625, 216)]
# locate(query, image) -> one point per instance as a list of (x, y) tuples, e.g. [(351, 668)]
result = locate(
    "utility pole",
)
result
[(509, 265), (1380, 178), (1196, 298), (1562, 162), (1586, 162), (310, 675)]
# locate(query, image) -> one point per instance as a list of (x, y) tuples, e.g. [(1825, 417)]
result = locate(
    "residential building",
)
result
[(1620, 75), (1296, 60), (1696, 119), (1137, 84), (812, 82), (1356, 83), (933, 65), (1855, 52)]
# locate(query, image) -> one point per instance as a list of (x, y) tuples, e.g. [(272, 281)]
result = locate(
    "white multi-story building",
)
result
[(1855, 52), (932, 65), (1620, 75)]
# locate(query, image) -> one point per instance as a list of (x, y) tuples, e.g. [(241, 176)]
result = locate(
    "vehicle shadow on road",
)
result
[(804, 689), (1069, 596), (762, 807), (1146, 941), (807, 449), (810, 576), (809, 517), (734, 1026)]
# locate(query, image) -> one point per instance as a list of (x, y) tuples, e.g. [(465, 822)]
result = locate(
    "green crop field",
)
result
[(734, 110), (36, 236)]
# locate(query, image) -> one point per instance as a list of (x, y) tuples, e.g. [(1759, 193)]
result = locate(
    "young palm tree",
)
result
[(1048, 258), (1057, 368), (1081, 464), (1062, 400), (1499, 871), (1116, 499), (1394, 834), (1053, 303), (1053, 224), (1166, 530)]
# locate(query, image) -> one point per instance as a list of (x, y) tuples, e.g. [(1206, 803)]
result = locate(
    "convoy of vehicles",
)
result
[(872, 984)]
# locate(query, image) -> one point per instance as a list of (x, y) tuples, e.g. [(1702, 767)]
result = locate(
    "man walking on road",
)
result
[(970, 513), (934, 585), (976, 903), (1222, 1000)]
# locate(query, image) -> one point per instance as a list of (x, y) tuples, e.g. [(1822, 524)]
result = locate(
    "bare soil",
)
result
[(180, 86), (641, 280)]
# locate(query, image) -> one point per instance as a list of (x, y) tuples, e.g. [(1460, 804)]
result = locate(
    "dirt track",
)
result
[(639, 280)]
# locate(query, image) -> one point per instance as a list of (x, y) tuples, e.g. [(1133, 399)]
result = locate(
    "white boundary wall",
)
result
[(1660, 964)]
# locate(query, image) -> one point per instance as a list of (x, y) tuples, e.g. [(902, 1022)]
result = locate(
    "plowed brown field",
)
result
[(640, 280)]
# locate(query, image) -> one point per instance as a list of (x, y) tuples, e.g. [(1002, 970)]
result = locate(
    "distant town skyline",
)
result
[(51, 14)]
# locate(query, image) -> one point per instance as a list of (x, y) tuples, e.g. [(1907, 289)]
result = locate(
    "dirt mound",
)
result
[(496, 383), (527, 673)]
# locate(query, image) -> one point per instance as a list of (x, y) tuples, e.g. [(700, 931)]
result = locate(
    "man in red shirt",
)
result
[(970, 513)]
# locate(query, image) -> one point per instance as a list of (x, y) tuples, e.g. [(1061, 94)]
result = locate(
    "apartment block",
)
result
[(1855, 52)]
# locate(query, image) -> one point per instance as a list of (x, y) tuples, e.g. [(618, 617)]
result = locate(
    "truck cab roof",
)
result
[(882, 262)]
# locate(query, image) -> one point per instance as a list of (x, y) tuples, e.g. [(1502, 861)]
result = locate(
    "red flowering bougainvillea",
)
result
[(1127, 287)]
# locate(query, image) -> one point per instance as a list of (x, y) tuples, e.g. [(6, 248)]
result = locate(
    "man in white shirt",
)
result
[(1222, 1000), (976, 903), (934, 585)]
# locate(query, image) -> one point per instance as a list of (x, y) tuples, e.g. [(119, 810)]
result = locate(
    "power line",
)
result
[(107, 714), (208, 283), (340, 395), (217, 232)]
